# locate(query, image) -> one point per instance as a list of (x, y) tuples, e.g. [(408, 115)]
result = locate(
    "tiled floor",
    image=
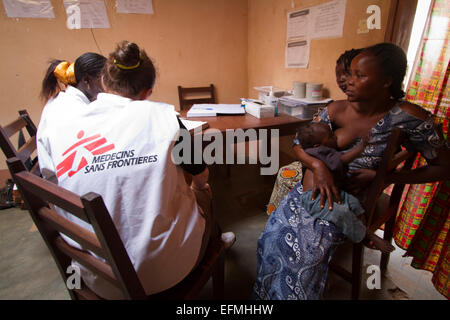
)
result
[(27, 270)]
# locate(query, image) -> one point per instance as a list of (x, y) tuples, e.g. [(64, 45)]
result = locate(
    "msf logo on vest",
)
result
[(80, 154)]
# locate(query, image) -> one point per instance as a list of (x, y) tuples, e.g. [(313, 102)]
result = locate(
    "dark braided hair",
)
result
[(392, 60), (347, 57), (89, 64)]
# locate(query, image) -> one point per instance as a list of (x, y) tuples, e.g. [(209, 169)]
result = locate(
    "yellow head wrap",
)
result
[(65, 72)]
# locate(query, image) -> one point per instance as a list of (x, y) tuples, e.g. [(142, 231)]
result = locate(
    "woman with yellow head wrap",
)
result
[(83, 74)]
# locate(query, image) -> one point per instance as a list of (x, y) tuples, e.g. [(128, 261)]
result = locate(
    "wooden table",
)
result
[(285, 123)]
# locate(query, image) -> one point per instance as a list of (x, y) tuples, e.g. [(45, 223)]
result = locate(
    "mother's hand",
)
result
[(360, 179), (323, 183)]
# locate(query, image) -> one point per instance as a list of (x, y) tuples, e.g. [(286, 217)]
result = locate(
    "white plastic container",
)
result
[(299, 89), (271, 100), (314, 91)]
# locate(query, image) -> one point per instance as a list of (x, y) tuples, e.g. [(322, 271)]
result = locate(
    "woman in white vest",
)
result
[(82, 75), (120, 147), (66, 88)]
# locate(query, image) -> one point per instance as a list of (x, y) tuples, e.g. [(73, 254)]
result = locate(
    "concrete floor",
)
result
[(27, 270)]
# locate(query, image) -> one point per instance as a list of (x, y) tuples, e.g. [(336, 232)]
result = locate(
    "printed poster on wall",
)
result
[(134, 6), (322, 21), (327, 20), (86, 14), (297, 39), (28, 8), (297, 54), (297, 24)]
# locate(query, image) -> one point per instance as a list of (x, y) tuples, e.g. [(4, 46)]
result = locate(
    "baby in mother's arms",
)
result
[(348, 216)]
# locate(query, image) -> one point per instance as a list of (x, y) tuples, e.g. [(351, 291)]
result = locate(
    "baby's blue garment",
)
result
[(343, 216)]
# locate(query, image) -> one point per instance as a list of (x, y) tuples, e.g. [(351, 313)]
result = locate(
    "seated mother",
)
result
[(294, 249)]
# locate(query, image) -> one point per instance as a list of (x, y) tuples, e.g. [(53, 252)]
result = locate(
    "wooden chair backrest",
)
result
[(25, 152), (40, 195), (185, 102), (393, 156)]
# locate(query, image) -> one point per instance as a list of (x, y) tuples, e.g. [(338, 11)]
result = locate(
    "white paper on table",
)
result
[(297, 24), (92, 13), (134, 6), (297, 54), (28, 8), (192, 125), (228, 108), (327, 20), (211, 110)]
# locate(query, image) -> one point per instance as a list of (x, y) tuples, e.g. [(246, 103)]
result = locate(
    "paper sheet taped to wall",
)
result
[(134, 6), (297, 54), (297, 26), (322, 21), (86, 14), (28, 8), (328, 20)]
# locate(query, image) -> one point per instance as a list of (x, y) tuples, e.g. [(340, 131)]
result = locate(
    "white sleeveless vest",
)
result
[(121, 149)]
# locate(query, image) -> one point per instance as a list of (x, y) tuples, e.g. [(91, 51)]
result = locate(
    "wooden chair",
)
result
[(186, 103), (40, 195), (380, 208), (25, 152)]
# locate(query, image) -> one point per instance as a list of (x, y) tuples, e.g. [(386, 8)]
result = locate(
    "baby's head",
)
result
[(314, 134)]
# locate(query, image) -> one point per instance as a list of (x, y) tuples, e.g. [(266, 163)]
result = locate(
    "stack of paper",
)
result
[(301, 108), (291, 101), (212, 110)]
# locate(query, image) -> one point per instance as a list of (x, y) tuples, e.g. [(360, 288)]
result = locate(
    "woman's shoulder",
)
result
[(413, 110), (337, 108), (338, 105)]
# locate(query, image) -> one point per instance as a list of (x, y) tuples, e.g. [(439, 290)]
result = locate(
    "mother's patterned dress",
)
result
[(295, 249)]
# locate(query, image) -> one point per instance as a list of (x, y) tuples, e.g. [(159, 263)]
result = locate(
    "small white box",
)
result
[(259, 109)]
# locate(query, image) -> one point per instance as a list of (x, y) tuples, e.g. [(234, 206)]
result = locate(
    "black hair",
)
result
[(347, 57), (50, 88), (393, 61), (306, 135), (88, 64), (129, 70)]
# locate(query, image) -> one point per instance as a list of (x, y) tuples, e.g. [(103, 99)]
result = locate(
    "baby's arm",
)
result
[(353, 153)]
